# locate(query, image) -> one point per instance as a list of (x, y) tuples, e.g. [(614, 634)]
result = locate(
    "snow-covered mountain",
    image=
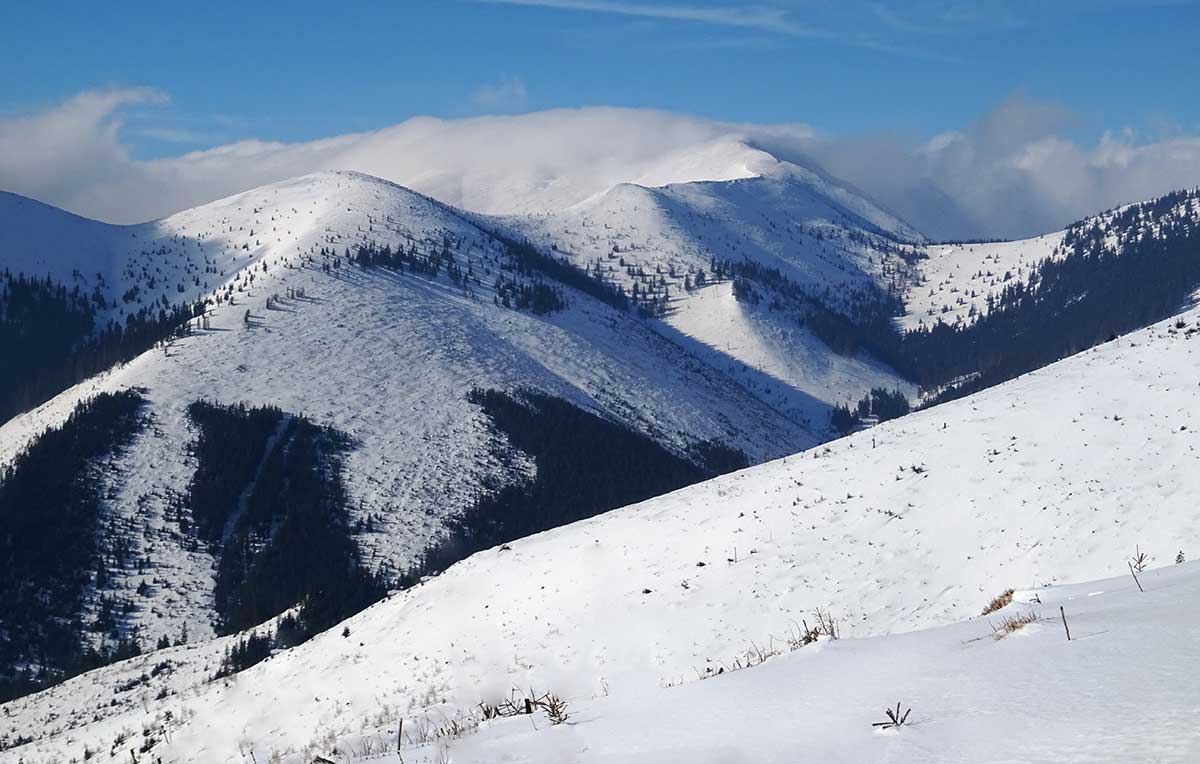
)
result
[(388, 357), (663, 244), (954, 283), (820, 234), (1058, 476), (977, 314)]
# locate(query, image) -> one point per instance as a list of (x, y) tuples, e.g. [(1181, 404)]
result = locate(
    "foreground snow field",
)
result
[(1120, 690), (1054, 477)]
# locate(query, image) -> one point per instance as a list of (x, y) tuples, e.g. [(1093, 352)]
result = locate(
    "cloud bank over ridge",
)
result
[(1014, 172)]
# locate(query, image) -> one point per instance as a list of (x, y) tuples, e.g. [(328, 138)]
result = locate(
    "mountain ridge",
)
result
[(298, 315)]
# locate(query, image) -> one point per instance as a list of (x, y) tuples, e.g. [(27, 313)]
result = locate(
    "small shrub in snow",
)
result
[(556, 709), (520, 705), (1179, 558), (1140, 560), (513, 705), (894, 718), (999, 601), (1013, 623), (827, 625)]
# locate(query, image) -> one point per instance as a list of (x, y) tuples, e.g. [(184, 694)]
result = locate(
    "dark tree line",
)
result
[(50, 513), (717, 458), (292, 543), (428, 264), (881, 403), (50, 340), (268, 496), (229, 445), (528, 260), (247, 651), (537, 297)]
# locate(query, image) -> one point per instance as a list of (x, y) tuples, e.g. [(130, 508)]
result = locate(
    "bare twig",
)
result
[(1140, 559), (1063, 613), (826, 623), (1135, 578), (894, 718)]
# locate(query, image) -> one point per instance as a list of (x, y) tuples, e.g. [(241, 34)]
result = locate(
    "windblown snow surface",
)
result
[(903, 532), (389, 359)]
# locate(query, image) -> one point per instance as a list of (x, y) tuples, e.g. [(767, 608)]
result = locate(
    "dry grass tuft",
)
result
[(798, 636), (999, 602), (1013, 623)]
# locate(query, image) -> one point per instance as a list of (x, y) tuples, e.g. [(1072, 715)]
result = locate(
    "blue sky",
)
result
[(315, 69)]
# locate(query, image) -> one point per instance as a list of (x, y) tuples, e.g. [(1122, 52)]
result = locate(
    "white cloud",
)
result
[(1011, 173), (490, 163), (71, 146)]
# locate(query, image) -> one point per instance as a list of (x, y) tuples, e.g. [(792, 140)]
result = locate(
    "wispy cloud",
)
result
[(843, 24), (923, 18), (506, 95), (900, 28), (180, 135), (771, 19)]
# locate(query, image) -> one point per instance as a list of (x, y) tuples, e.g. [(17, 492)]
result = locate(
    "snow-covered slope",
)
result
[(786, 217), (825, 240), (1054, 477), (773, 353), (955, 281), (177, 259)]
